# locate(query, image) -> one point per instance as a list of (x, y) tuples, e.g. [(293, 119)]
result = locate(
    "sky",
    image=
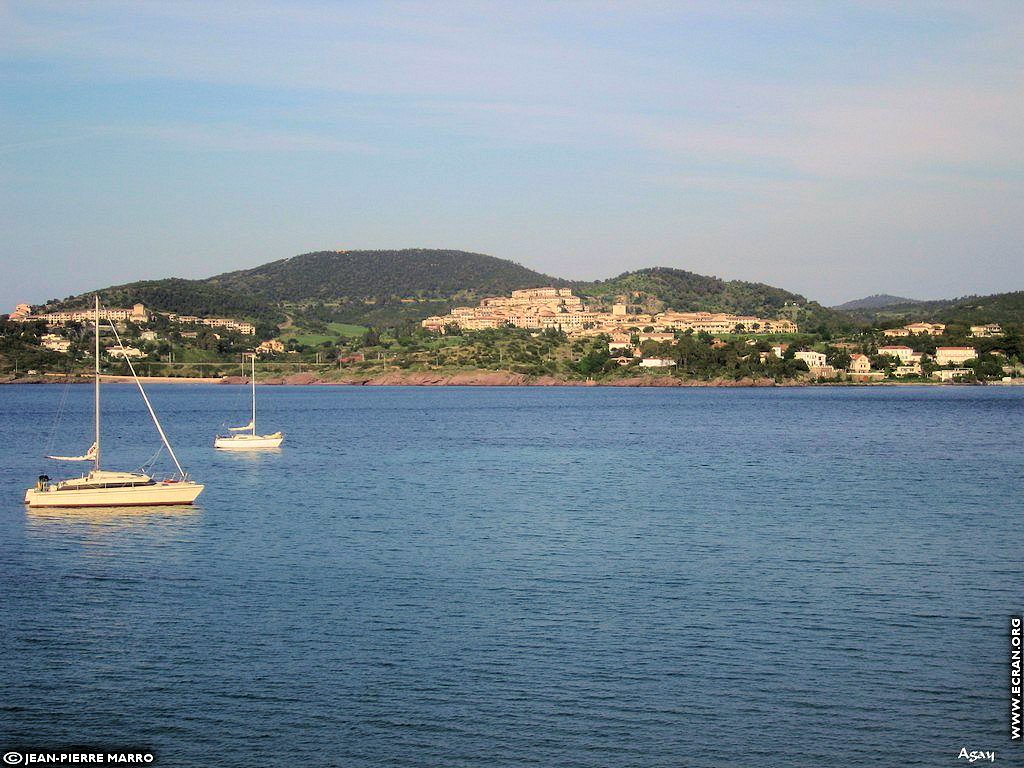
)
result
[(835, 149)]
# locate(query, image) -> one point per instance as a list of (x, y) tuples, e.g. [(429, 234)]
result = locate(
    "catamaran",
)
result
[(108, 488), (241, 441)]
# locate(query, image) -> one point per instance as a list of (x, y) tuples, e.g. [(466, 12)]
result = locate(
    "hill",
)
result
[(1002, 308), (371, 287), (413, 273), (187, 297), (876, 301), (1005, 308), (389, 287), (660, 288)]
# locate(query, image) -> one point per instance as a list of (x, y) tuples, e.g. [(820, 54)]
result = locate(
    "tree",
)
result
[(838, 358)]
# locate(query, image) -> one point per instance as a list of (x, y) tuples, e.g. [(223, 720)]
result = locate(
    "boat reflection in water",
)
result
[(158, 523)]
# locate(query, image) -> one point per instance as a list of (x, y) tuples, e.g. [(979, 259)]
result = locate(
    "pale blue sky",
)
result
[(834, 148)]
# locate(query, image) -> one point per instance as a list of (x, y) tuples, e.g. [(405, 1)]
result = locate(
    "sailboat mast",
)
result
[(254, 394), (149, 405), (97, 386)]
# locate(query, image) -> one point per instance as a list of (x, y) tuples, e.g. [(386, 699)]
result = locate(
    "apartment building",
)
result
[(904, 353), (954, 355), (813, 359), (137, 314)]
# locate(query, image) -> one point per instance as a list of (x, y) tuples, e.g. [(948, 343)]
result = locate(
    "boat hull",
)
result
[(157, 494), (249, 442)]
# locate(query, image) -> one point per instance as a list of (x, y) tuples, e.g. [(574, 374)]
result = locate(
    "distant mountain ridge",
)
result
[(876, 301), (1005, 308)]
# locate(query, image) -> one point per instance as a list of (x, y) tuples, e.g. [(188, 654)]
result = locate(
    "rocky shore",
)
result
[(457, 379), (506, 379), (415, 379)]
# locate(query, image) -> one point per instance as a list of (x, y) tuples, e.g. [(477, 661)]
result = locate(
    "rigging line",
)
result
[(58, 419), (145, 399), (148, 464)]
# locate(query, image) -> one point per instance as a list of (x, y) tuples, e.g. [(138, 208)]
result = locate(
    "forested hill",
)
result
[(381, 287), (659, 288), (359, 286), (876, 301), (174, 294), (414, 273)]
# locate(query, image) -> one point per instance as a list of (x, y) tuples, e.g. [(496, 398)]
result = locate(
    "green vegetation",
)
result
[(876, 301), (20, 350), (552, 353), (186, 297), (662, 288), (1002, 308), (319, 334), (414, 273)]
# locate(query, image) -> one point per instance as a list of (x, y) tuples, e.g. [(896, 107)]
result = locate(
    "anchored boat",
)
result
[(245, 438), (108, 488)]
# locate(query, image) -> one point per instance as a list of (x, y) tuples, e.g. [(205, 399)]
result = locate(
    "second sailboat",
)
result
[(245, 438)]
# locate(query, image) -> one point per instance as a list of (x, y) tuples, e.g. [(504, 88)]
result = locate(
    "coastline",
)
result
[(483, 378)]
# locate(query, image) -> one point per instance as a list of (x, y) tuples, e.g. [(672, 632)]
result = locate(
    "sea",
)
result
[(451, 576)]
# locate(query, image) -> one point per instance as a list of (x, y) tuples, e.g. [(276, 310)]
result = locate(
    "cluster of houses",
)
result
[(270, 347), (559, 308), (626, 348), (137, 314), (61, 344), (937, 329), (909, 364)]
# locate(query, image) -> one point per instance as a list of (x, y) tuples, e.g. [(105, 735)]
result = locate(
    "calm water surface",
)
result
[(507, 577)]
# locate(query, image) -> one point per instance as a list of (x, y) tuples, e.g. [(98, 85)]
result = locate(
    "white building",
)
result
[(813, 359), (904, 353), (657, 362), (911, 369), (125, 352), (270, 347), (952, 373), (55, 342), (954, 355), (137, 314)]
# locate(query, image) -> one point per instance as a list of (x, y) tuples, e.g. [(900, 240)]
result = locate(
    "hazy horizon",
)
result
[(835, 151)]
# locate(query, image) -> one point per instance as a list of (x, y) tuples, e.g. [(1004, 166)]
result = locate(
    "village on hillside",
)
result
[(628, 331), (540, 331)]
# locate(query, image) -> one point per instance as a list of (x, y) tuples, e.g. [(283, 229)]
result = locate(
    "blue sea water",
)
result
[(509, 577)]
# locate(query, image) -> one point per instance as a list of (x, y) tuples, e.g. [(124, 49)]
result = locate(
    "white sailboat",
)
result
[(107, 488), (245, 438)]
